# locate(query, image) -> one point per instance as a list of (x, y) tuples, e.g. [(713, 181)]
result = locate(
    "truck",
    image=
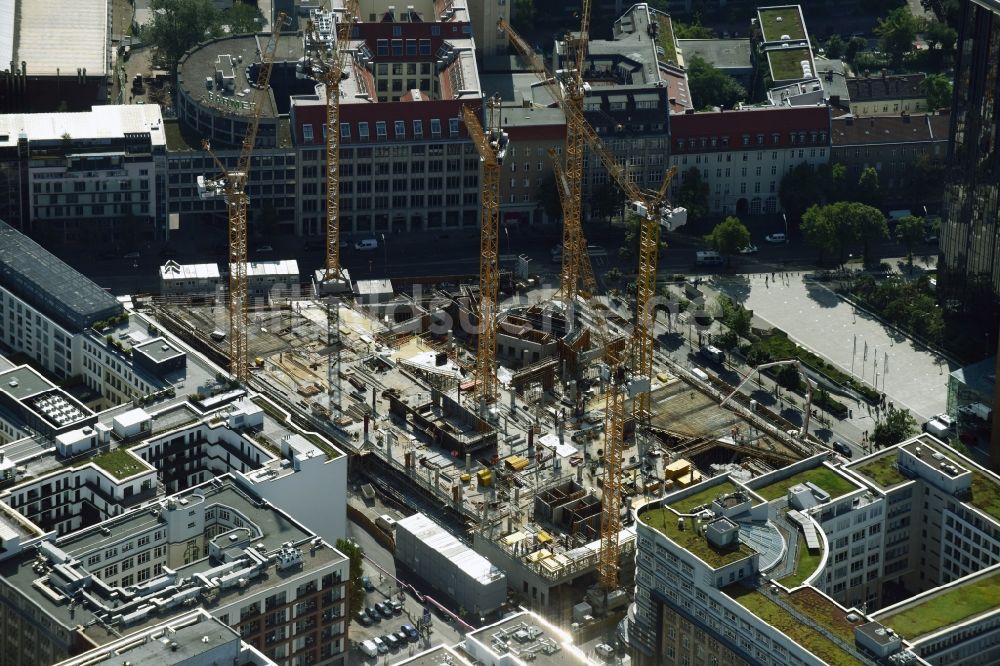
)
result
[(713, 354), (939, 426), (707, 258)]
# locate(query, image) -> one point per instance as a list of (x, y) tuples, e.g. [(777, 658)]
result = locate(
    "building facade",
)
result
[(969, 275), (905, 150), (887, 94), (742, 155)]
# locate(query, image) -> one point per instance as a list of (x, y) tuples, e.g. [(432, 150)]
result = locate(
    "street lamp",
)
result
[(785, 219), (385, 249), (506, 233)]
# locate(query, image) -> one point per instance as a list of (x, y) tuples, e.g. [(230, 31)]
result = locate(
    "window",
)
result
[(307, 133), (400, 129), (363, 131), (380, 131), (435, 128), (453, 126), (345, 130), (425, 47), (418, 129), (382, 47)]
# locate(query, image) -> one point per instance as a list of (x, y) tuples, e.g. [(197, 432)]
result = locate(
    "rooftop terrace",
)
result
[(944, 607), (786, 64), (778, 21), (881, 470), (824, 619), (824, 477), (120, 463)]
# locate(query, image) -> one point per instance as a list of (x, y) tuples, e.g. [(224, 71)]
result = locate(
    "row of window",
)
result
[(399, 128)]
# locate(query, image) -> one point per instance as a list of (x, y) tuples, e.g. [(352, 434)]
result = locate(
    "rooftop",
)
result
[(910, 128), (775, 22), (476, 567), (442, 655), (120, 463), (158, 349), (111, 121), (830, 481), (816, 607), (880, 469), (986, 494), (666, 522), (60, 35), (44, 281), (280, 267), (720, 53), (526, 637), (665, 37), (786, 63), (175, 271), (23, 382), (892, 86), (943, 607)]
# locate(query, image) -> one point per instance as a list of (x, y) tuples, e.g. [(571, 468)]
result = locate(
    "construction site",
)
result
[(525, 428)]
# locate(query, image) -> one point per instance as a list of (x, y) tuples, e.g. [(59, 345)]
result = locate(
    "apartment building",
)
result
[(251, 566), (742, 155), (85, 175), (790, 567), (887, 94)]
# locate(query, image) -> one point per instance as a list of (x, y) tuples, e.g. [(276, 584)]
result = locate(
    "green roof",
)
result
[(786, 64), (824, 477), (985, 494), (806, 636), (882, 470), (778, 21), (665, 521), (179, 137), (665, 39), (702, 497), (943, 609), (805, 565), (120, 463)]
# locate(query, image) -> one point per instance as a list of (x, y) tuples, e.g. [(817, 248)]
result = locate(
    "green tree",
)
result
[(835, 46), (693, 30), (606, 200), (178, 25), (927, 179), (243, 18), (869, 225), (896, 32), (854, 46), (910, 231), (937, 87), (728, 237), (800, 188), (356, 592), (940, 36), (819, 230), (692, 194), (522, 12), (712, 87), (832, 181), (869, 190), (894, 428)]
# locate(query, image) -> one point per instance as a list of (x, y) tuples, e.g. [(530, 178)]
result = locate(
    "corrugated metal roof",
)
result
[(63, 34), (435, 537), (282, 267), (175, 271), (7, 8)]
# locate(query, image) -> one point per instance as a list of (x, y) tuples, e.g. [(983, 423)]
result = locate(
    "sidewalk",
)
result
[(815, 317)]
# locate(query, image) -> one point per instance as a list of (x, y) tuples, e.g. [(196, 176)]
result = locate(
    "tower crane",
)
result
[(570, 96), (491, 144), (331, 72), (232, 185)]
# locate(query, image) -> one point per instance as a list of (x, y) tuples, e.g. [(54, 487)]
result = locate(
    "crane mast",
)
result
[(492, 147), (232, 185)]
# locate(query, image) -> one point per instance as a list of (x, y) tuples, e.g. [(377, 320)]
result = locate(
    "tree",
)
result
[(835, 46), (869, 191), (692, 194), (606, 200), (693, 30), (940, 36), (633, 232), (927, 179), (355, 592), (910, 231), (729, 237), (178, 25), (523, 12), (712, 87), (869, 225), (800, 188), (832, 181), (819, 230), (896, 33), (894, 428), (243, 19), (855, 46), (937, 87)]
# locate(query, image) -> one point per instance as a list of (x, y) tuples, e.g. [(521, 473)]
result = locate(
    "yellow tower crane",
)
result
[(492, 147), (331, 71), (569, 92), (233, 186)]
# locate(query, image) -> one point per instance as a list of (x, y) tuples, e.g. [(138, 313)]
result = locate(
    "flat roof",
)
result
[(281, 267), (786, 63), (175, 271), (441, 655), (781, 20), (47, 283), (475, 566), (23, 382), (944, 606), (527, 638), (110, 121), (829, 480), (63, 35), (880, 469), (720, 53), (159, 349)]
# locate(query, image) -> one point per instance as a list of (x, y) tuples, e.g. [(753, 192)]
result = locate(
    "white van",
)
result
[(366, 244), (707, 258), (369, 648)]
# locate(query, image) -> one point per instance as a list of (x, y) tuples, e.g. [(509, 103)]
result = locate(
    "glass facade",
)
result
[(969, 276)]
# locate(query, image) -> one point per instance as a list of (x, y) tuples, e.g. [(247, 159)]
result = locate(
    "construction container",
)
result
[(516, 463), (467, 578), (485, 477)]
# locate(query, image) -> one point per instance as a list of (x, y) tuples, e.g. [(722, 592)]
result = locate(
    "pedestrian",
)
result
[(765, 282)]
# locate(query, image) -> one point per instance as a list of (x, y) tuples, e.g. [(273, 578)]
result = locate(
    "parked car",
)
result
[(264, 249), (380, 645), (131, 255), (843, 449), (362, 619), (385, 609), (391, 640), (366, 244), (402, 637), (410, 631), (366, 583), (373, 614), (397, 607), (749, 249), (369, 648), (775, 238)]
